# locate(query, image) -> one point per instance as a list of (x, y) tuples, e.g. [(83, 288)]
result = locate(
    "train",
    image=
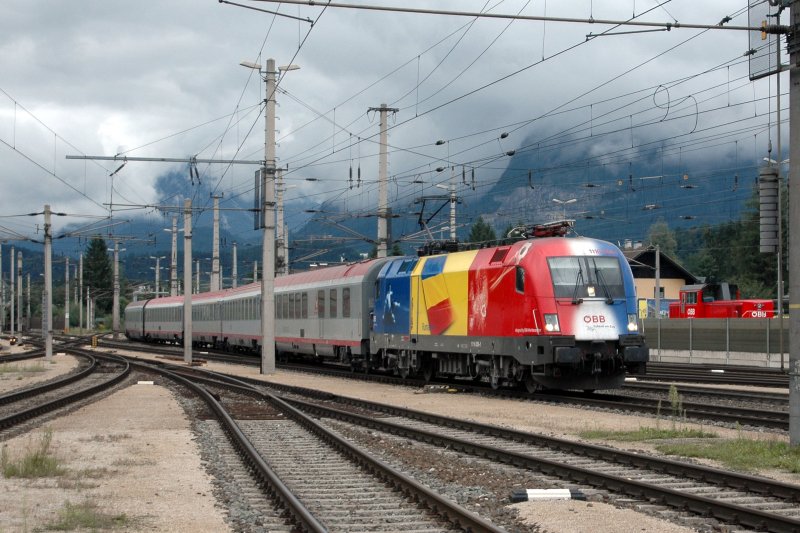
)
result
[(548, 312), (718, 300)]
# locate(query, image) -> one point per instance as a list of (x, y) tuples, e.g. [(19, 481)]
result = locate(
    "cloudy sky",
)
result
[(162, 79)]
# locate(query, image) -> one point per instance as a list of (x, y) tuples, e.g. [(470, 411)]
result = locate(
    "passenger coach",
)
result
[(325, 313)]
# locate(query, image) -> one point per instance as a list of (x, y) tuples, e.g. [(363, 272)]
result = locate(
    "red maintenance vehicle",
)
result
[(718, 300)]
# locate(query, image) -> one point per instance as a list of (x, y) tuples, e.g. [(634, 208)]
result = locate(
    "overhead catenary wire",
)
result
[(342, 121), (573, 20)]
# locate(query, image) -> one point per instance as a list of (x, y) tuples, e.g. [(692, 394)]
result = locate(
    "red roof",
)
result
[(327, 274), (350, 270)]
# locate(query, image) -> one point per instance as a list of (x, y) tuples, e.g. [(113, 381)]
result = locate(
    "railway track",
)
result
[(700, 495), (93, 377), (752, 409), (323, 481), (725, 411), (725, 374)]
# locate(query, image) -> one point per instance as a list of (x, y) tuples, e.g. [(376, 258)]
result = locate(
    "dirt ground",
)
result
[(131, 454)]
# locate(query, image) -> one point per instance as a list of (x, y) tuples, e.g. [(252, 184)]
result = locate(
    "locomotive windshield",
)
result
[(579, 277)]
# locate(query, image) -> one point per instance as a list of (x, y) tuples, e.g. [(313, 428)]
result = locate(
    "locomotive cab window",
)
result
[(586, 277), (520, 280)]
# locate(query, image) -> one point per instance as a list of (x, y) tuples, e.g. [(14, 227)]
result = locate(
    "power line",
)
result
[(541, 18)]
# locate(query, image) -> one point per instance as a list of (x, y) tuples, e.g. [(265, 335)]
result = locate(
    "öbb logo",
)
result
[(594, 319)]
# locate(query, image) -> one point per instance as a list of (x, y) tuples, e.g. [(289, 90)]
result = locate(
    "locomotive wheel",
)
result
[(428, 370), (495, 375), (531, 385), (402, 363)]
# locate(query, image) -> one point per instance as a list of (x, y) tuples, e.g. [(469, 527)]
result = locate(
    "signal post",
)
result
[(793, 42)]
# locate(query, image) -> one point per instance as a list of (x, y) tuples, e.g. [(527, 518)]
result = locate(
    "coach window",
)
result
[(321, 304), (285, 305), (305, 305), (291, 305), (332, 300), (346, 303), (520, 279)]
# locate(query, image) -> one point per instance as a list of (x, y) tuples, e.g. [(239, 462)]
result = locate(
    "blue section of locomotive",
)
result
[(433, 267), (393, 301)]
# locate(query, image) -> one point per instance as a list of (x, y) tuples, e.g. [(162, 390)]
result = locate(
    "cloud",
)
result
[(163, 80)]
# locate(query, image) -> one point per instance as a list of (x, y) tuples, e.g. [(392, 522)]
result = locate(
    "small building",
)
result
[(672, 277)]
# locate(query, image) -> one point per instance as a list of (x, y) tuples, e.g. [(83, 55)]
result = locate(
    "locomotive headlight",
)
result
[(633, 322), (551, 322)]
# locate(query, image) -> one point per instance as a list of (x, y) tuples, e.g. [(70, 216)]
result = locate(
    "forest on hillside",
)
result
[(729, 251)]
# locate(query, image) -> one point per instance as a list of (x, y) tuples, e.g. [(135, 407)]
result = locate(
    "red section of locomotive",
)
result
[(718, 300)]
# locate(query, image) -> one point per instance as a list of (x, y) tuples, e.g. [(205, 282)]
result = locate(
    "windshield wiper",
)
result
[(578, 279), (599, 276)]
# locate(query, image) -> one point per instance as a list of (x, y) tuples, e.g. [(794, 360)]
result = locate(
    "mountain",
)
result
[(611, 201), (615, 202)]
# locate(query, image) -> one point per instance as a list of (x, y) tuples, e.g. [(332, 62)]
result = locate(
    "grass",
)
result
[(86, 515), (13, 369), (648, 433), (36, 462), (737, 454), (741, 454), (114, 437), (83, 479)]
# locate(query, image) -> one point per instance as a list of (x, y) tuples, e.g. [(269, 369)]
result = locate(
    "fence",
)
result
[(734, 341)]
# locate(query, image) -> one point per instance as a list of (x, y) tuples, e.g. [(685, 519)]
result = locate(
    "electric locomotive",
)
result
[(547, 313)]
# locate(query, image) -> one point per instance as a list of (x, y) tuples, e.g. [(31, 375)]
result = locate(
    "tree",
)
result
[(482, 232), (730, 252), (660, 234), (395, 250), (98, 274), (512, 233)]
